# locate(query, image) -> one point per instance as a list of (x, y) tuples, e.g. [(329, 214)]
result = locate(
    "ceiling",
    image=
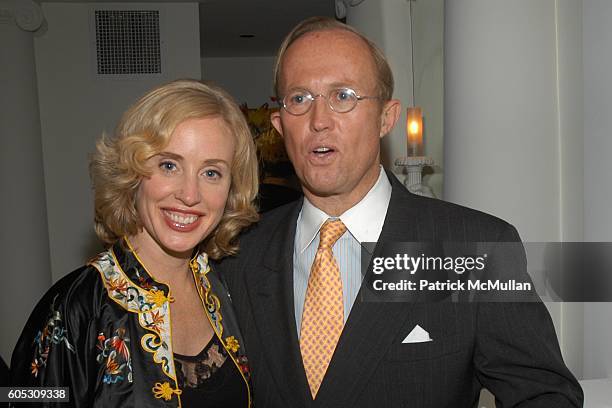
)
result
[(223, 21)]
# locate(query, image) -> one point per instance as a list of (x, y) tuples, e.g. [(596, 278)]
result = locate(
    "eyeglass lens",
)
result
[(340, 100)]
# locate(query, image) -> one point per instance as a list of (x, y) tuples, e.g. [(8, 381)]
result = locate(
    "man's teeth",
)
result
[(322, 150), (182, 219)]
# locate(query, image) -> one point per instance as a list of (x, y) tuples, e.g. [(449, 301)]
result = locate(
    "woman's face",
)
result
[(184, 198)]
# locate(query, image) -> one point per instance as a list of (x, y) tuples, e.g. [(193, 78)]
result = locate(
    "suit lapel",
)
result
[(371, 326), (270, 287)]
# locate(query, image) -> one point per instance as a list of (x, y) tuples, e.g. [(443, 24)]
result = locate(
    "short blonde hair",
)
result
[(119, 163), (384, 77)]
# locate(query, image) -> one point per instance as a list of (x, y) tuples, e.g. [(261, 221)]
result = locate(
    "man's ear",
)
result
[(276, 122), (389, 116)]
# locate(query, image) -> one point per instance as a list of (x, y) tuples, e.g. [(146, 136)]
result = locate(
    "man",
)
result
[(311, 338)]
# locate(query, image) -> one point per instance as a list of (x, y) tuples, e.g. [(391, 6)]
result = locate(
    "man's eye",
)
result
[(298, 99), (343, 95)]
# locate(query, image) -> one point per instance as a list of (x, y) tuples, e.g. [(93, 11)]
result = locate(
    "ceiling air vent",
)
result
[(127, 42)]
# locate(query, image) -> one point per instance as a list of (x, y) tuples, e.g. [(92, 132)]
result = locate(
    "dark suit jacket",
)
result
[(509, 348)]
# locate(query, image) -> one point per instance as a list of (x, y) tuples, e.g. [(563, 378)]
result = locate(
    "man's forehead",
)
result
[(330, 40), (312, 54)]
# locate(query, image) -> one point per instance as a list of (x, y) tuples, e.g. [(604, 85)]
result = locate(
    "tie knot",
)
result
[(331, 230)]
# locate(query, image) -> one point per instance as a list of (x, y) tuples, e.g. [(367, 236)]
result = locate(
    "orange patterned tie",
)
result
[(323, 315)]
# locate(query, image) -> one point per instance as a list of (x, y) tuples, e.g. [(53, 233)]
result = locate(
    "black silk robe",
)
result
[(104, 331)]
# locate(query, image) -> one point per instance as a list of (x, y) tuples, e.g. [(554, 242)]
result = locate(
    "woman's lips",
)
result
[(182, 221)]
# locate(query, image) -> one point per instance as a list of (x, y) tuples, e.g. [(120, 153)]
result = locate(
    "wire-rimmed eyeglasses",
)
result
[(299, 101)]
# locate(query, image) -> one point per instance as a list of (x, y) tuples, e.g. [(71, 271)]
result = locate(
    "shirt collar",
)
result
[(364, 220)]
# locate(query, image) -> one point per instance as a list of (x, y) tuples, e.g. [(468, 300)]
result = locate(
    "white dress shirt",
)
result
[(364, 222)]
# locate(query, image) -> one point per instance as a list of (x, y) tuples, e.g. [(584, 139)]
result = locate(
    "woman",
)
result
[(146, 322)]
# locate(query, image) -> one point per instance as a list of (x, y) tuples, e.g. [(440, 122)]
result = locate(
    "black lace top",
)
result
[(210, 378)]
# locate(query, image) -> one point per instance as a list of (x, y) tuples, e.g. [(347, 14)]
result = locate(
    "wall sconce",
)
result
[(414, 131), (415, 159)]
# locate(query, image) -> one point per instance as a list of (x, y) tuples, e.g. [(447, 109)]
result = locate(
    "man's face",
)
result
[(335, 155)]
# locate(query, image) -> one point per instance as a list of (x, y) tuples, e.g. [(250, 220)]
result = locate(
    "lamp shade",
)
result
[(414, 131)]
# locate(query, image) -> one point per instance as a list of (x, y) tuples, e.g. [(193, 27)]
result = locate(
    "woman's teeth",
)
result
[(181, 219)]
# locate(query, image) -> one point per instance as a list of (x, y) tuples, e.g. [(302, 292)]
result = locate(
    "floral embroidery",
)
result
[(144, 282), (138, 293), (118, 285), (165, 391), (52, 333), (243, 363), (157, 321), (152, 307), (158, 298), (158, 342), (200, 268), (115, 354), (232, 344)]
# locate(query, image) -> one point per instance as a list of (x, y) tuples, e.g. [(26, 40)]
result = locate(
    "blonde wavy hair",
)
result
[(119, 162)]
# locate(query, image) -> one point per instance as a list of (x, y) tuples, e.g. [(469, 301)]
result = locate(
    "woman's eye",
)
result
[(167, 166), (212, 174)]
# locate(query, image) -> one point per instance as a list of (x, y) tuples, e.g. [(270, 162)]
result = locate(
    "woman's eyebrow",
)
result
[(216, 161), (170, 155)]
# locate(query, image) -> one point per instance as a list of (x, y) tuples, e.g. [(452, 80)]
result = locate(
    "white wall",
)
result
[(247, 79), (76, 107), (570, 101), (501, 119), (428, 30), (388, 25), (596, 45), (24, 247), (528, 129)]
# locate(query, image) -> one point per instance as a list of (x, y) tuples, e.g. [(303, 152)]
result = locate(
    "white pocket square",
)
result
[(417, 335)]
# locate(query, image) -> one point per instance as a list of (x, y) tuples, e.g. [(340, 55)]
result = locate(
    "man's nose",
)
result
[(321, 114)]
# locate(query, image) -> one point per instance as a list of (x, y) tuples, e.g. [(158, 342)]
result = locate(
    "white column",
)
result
[(598, 169), (24, 239), (514, 124), (501, 142)]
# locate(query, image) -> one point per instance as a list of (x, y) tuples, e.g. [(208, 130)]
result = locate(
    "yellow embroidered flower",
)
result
[(232, 344), (157, 297), (164, 391)]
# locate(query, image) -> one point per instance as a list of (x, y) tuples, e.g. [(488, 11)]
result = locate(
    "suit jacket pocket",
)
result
[(436, 348)]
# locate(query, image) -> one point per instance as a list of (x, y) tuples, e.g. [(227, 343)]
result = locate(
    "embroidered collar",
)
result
[(130, 285)]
